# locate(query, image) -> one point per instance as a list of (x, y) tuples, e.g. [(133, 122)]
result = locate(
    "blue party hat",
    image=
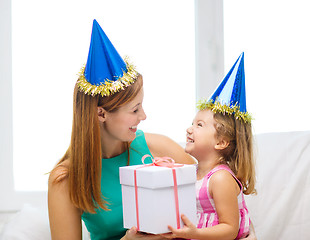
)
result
[(105, 72), (229, 97)]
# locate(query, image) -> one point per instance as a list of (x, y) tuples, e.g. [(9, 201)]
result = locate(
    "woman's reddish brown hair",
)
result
[(83, 170)]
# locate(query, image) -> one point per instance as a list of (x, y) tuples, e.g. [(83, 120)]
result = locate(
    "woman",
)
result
[(75, 181), (104, 137)]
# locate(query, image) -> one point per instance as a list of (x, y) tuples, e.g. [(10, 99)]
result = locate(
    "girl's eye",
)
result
[(199, 125), (135, 111)]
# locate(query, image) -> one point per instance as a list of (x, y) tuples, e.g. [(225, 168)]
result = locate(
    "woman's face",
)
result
[(122, 124)]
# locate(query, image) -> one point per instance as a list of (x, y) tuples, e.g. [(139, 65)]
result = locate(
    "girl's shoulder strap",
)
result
[(226, 168)]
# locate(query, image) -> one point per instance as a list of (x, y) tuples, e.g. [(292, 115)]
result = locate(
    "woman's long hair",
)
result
[(239, 153), (84, 153)]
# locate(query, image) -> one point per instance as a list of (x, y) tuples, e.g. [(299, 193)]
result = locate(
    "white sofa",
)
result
[(30, 223), (280, 210)]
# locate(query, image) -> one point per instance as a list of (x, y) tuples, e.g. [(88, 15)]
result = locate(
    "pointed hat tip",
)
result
[(95, 23)]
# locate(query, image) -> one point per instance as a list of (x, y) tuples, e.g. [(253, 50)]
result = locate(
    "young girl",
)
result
[(220, 138)]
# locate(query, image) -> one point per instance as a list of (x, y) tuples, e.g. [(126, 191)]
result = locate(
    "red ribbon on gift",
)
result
[(159, 162)]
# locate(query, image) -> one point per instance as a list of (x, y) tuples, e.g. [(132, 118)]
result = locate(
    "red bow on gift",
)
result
[(161, 162)]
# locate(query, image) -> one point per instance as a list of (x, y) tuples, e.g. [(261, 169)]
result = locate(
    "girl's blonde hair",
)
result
[(84, 153), (239, 153)]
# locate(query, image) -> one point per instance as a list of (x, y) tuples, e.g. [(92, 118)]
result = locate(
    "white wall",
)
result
[(6, 136), (209, 69), (209, 46), (10, 200)]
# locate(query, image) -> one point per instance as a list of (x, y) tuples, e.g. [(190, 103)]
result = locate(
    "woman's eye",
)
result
[(199, 125), (135, 111)]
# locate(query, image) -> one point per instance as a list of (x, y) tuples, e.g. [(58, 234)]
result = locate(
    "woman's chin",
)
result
[(131, 136)]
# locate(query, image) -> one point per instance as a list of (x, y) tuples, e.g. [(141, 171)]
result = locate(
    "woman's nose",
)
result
[(143, 115)]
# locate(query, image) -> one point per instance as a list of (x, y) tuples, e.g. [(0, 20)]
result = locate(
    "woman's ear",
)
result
[(222, 144), (102, 114)]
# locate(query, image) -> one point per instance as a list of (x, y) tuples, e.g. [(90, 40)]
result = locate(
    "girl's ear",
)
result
[(102, 114), (222, 144)]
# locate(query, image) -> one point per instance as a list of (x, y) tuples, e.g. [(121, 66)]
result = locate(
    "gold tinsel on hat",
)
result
[(217, 107), (109, 87)]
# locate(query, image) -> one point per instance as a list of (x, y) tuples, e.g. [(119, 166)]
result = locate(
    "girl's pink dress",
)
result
[(206, 213)]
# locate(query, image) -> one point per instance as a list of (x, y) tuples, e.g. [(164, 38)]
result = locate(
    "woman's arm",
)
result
[(65, 219), (162, 146), (133, 234)]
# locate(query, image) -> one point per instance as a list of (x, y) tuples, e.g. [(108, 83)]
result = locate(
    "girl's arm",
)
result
[(65, 219), (224, 191), (162, 146)]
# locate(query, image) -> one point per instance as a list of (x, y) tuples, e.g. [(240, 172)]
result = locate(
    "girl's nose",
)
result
[(189, 130)]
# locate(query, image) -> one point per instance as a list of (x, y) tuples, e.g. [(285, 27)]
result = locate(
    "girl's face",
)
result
[(201, 136), (122, 124)]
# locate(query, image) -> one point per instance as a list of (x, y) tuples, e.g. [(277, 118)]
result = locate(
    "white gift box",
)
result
[(156, 198)]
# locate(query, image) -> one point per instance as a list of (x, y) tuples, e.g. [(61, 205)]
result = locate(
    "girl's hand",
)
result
[(188, 231), (133, 234)]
